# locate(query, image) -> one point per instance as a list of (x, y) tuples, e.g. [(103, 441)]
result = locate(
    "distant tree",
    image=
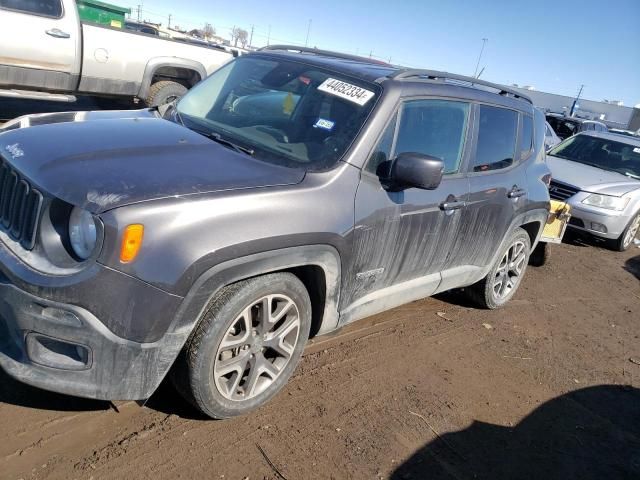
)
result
[(208, 31), (196, 32), (239, 35)]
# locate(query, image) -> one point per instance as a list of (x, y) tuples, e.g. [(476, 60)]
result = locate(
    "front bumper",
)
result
[(104, 366), (602, 223)]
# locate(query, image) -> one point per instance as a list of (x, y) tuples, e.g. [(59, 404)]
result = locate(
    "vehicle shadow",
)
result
[(592, 433), (13, 392), (633, 266)]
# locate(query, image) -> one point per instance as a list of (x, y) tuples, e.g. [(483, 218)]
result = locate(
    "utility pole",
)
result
[(484, 42), (306, 42), (169, 24), (251, 37), (139, 7), (575, 102)]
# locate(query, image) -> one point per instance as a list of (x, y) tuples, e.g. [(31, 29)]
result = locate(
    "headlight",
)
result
[(82, 233), (606, 201)]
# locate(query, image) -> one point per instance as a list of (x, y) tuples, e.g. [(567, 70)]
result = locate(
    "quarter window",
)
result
[(496, 138), (434, 127), (526, 144), (49, 8), (382, 153)]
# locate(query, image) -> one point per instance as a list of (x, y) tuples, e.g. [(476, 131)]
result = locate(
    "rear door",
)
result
[(39, 45), (405, 236), (497, 181)]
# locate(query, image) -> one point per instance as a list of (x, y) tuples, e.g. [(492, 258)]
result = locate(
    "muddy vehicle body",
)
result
[(289, 194)]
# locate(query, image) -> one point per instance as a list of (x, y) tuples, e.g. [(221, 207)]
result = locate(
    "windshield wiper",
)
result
[(216, 137)]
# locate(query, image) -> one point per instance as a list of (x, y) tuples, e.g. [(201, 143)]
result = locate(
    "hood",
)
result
[(590, 179), (105, 160)]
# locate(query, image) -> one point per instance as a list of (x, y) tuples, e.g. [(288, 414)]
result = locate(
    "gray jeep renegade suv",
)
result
[(289, 194)]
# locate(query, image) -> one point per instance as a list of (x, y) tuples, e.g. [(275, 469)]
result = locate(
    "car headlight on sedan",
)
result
[(82, 233), (606, 201)]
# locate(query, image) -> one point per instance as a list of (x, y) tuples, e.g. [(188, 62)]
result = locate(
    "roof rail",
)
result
[(326, 53), (434, 75)]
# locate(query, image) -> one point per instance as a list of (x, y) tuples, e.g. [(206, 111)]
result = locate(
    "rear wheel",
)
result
[(246, 346), (504, 278), (163, 92), (629, 235)]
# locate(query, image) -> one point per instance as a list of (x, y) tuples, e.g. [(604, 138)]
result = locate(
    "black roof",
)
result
[(374, 70)]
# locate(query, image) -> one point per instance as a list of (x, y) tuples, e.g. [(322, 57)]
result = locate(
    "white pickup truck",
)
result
[(47, 53)]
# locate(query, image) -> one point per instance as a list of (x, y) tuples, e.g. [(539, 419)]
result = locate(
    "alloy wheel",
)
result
[(632, 232), (257, 347), (510, 271)]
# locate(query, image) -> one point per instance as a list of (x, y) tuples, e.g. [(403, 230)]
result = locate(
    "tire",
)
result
[(622, 243), (163, 92), (540, 255), (484, 292), (230, 366)]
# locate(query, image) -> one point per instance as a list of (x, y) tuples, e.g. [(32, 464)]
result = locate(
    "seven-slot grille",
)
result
[(561, 191), (20, 206)]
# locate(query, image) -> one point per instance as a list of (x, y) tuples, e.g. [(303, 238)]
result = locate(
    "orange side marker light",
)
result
[(131, 243)]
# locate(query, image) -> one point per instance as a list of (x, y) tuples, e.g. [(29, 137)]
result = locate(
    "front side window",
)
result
[(381, 155), (496, 138), (49, 8), (285, 112), (434, 127)]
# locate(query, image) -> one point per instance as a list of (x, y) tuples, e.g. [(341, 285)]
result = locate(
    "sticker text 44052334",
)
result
[(345, 90)]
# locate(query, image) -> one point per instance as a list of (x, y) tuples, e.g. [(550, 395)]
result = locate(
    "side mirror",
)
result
[(416, 170)]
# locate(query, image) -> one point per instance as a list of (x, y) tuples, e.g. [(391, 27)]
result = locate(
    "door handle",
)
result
[(517, 192), (57, 33), (450, 206)]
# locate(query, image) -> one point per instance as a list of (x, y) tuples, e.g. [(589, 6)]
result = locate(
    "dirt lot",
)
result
[(548, 387)]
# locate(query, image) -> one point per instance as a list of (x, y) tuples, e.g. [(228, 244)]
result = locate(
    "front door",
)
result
[(39, 45), (402, 239)]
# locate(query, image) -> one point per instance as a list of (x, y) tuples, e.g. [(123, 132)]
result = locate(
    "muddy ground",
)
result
[(548, 387)]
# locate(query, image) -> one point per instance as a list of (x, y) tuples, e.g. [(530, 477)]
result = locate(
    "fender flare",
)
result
[(158, 62), (213, 280)]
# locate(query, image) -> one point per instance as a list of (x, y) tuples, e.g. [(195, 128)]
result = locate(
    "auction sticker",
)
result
[(345, 90)]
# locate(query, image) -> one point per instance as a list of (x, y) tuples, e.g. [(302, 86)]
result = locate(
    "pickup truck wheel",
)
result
[(246, 345), (164, 92), (628, 236), (502, 282)]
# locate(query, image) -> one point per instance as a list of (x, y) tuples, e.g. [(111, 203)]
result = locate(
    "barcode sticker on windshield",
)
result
[(345, 90)]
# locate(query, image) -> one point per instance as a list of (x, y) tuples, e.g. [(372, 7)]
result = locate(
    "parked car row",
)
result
[(292, 192)]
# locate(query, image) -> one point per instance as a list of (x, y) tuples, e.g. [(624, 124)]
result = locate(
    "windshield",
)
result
[(563, 128), (602, 153), (285, 112)]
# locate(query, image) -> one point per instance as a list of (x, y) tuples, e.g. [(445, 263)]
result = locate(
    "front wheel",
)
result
[(246, 346), (504, 278), (163, 92), (628, 236)]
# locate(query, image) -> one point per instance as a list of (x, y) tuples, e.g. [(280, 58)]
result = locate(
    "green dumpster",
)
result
[(102, 13)]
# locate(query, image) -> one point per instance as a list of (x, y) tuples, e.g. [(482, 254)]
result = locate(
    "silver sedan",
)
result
[(598, 174)]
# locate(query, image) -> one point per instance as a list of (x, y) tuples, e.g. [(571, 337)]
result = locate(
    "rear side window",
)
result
[(496, 138), (526, 144), (434, 127), (49, 8)]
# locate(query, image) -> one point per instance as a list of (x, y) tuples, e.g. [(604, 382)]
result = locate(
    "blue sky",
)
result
[(554, 45)]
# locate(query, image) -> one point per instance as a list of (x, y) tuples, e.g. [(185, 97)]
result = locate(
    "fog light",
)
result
[(598, 227), (54, 353)]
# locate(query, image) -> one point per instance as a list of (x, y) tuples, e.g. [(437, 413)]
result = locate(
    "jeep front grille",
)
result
[(20, 206), (561, 191)]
